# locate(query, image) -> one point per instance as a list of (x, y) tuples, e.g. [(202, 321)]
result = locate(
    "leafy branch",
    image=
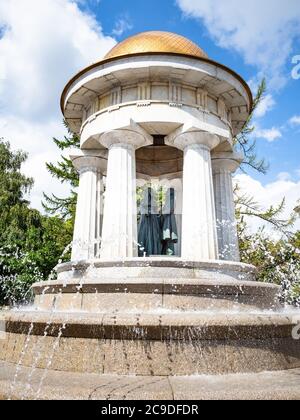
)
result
[(64, 171), (247, 206), (243, 139)]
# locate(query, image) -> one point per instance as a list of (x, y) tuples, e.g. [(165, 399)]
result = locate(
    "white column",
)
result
[(224, 165), (177, 185), (119, 233), (199, 236), (88, 211)]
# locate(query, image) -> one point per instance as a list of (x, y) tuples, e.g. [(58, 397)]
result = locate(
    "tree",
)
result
[(13, 184), (277, 261), (65, 172), (30, 243), (246, 206), (243, 140), (297, 209), (14, 214)]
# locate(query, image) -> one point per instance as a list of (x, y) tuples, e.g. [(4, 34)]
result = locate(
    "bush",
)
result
[(278, 261), (17, 274)]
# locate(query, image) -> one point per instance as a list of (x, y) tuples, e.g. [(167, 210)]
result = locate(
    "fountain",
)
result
[(191, 324)]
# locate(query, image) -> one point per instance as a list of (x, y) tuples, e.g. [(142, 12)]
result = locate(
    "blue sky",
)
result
[(43, 43)]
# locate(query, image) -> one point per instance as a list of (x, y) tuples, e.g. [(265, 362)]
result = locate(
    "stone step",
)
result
[(52, 385), (152, 344), (95, 295)]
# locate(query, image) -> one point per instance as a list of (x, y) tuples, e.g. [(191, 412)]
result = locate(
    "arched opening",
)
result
[(159, 199)]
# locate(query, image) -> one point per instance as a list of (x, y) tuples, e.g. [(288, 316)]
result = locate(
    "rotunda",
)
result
[(156, 110)]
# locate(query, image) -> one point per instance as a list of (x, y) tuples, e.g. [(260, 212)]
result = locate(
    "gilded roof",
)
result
[(156, 42)]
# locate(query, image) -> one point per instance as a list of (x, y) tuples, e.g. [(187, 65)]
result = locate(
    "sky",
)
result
[(43, 43)]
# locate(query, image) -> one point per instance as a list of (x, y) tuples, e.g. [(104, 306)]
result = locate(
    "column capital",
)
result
[(89, 160), (226, 161), (181, 140), (134, 136)]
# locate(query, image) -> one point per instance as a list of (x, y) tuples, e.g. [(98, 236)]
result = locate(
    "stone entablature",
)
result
[(143, 80), (148, 93)]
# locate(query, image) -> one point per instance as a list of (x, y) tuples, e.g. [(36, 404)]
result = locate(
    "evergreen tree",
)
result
[(30, 243), (14, 214), (245, 143), (64, 171), (246, 206)]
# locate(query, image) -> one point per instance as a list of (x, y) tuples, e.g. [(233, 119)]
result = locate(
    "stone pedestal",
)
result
[(153, 317), (199, 237), (86, 238), (224, 165), (158, 319)]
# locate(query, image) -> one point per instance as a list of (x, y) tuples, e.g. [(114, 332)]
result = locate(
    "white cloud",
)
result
[(295, 120), (267, 104), (262, 31), (42, 45), (35, 138), (271, 194), (284, 176), (270, 134), (122, 25)]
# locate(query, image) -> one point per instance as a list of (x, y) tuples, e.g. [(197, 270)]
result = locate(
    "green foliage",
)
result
[(297, 209), (247, 206), (64, 171), (277, 260), (30, 243), (51, 241), (244, 142), (17, 274), (13, 184)]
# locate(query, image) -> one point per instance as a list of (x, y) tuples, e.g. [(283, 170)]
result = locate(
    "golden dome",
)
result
[(156, 42)]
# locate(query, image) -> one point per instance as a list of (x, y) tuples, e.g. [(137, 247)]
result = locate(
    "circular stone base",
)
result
[(158, 318), (154, 284), (151, 344)]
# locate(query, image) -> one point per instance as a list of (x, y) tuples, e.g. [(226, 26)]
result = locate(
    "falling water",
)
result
[(49, 363), (22, 356), (51, 276)]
